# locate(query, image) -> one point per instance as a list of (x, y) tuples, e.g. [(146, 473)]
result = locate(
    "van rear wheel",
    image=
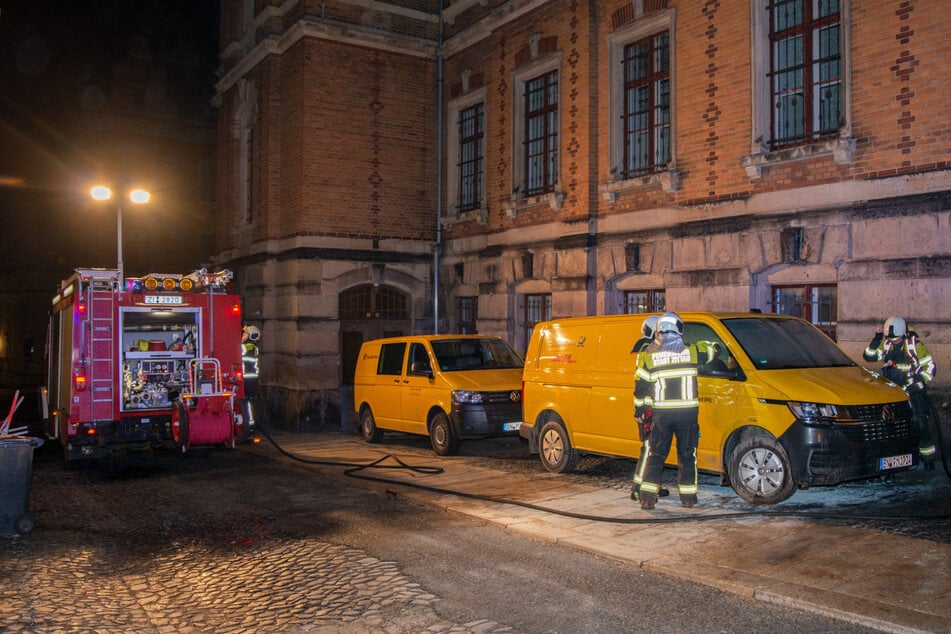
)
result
[(368, 429), (760, 471), (441, 436), (554, 448)]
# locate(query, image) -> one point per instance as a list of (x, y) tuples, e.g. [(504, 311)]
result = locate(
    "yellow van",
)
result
[(448, 387), (781, 408)]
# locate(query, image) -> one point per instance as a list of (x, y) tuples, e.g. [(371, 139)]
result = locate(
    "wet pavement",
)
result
[(872, 553), (155, 548)]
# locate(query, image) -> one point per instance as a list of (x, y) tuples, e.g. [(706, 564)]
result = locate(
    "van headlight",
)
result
[(466, 396), (814, 413)]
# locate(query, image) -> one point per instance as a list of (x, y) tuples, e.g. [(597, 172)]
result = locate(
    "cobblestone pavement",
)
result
[(195, 544)]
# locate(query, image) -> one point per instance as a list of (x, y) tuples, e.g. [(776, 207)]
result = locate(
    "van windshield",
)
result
[(781, 344), (474, 354)]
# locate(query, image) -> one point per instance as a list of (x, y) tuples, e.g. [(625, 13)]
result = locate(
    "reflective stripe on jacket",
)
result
[(667, 379), (908, 355)]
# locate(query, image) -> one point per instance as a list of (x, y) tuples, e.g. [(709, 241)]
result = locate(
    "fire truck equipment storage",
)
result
[(146, 363)]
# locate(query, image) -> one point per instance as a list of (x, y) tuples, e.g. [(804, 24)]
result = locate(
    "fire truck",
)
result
[(144, 363)]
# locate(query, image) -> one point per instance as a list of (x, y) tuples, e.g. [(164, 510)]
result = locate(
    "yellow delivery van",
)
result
[(448, 387), (781, 408)]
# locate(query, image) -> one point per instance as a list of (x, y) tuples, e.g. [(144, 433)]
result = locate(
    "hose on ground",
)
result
[(354, 470)]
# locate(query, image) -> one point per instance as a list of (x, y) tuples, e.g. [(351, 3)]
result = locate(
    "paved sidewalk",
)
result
[(880, 580)]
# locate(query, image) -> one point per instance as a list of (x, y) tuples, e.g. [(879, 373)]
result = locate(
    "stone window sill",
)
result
[(481, 216), (669, 180), (841, 150), (554, 200)]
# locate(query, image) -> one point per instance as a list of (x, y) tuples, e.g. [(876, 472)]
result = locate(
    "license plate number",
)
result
[(511, 426), (894, 462)]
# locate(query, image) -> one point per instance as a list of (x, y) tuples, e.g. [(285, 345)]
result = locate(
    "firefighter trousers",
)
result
[(921, 408), (667, 424), (643, 432)]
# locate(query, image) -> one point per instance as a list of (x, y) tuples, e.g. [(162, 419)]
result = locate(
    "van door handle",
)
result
[(396, 381)]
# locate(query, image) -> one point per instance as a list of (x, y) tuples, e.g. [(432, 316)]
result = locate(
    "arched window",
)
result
[(373, 302)]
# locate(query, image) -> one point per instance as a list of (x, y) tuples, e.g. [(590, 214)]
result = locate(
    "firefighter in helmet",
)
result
[(649, 331), (250, 335), (666, 385), (907, 362)]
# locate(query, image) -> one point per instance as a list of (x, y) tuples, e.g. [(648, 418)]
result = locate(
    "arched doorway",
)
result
[(369, 312)]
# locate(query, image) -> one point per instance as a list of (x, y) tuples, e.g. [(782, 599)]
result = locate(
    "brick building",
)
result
[(502, 162)]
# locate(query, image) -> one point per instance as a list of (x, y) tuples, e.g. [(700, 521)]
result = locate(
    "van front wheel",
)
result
[(368, 429), (760, 471), (443, 440), (555, 449)]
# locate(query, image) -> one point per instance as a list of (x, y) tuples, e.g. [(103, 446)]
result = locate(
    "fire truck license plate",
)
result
[(894, 462)]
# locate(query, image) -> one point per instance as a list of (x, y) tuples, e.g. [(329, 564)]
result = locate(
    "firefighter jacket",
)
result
[(249, 357), (666, 376), (906, 361)]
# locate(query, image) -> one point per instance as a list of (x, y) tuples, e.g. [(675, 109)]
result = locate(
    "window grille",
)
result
[(541, 134), (805, 70), (646, 105)]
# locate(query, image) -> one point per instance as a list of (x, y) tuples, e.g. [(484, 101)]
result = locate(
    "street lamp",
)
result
[(137, 196)]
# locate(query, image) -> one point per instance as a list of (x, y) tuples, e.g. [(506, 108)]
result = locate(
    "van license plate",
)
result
[(894, 462), (511, 426)]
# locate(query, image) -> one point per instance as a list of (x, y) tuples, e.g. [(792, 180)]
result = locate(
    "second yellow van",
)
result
[(447, 387), (782, 408)]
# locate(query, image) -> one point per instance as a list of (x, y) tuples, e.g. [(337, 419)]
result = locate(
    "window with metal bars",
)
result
[(805, 70), (816, 303), (537, 308), (471, 156), (541, 134), (653, 300), (646, 105), (468, 315), (372, 302)]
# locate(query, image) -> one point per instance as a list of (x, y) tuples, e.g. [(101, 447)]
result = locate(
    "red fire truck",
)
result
[(144, 363)]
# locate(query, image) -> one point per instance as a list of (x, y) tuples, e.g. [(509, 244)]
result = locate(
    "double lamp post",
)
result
[(137, 196)]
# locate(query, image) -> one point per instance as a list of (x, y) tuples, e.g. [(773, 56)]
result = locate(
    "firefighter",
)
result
[(666, 383), (648, 330), (907, 362), (250, 335)]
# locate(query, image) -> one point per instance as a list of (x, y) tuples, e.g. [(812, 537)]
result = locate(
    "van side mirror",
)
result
[(421, 368), (720, 370)]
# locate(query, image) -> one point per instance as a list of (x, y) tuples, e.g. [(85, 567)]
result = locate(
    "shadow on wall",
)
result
[(315, 411)]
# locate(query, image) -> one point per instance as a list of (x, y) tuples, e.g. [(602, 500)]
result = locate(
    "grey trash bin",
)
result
[(16, 471)]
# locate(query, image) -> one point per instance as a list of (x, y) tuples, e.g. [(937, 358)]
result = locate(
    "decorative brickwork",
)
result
[(345, 178)]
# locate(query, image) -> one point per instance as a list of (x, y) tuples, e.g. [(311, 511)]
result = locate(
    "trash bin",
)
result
[(16, 471)]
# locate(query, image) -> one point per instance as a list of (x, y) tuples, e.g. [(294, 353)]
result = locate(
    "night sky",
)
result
[(60, 58), (75, 77), (62, 61)]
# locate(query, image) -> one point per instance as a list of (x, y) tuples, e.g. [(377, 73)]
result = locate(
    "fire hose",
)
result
[(355, 470)]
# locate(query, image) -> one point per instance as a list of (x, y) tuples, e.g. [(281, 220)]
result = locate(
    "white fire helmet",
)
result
[(670, 322), (895, 327), (650, 326)]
